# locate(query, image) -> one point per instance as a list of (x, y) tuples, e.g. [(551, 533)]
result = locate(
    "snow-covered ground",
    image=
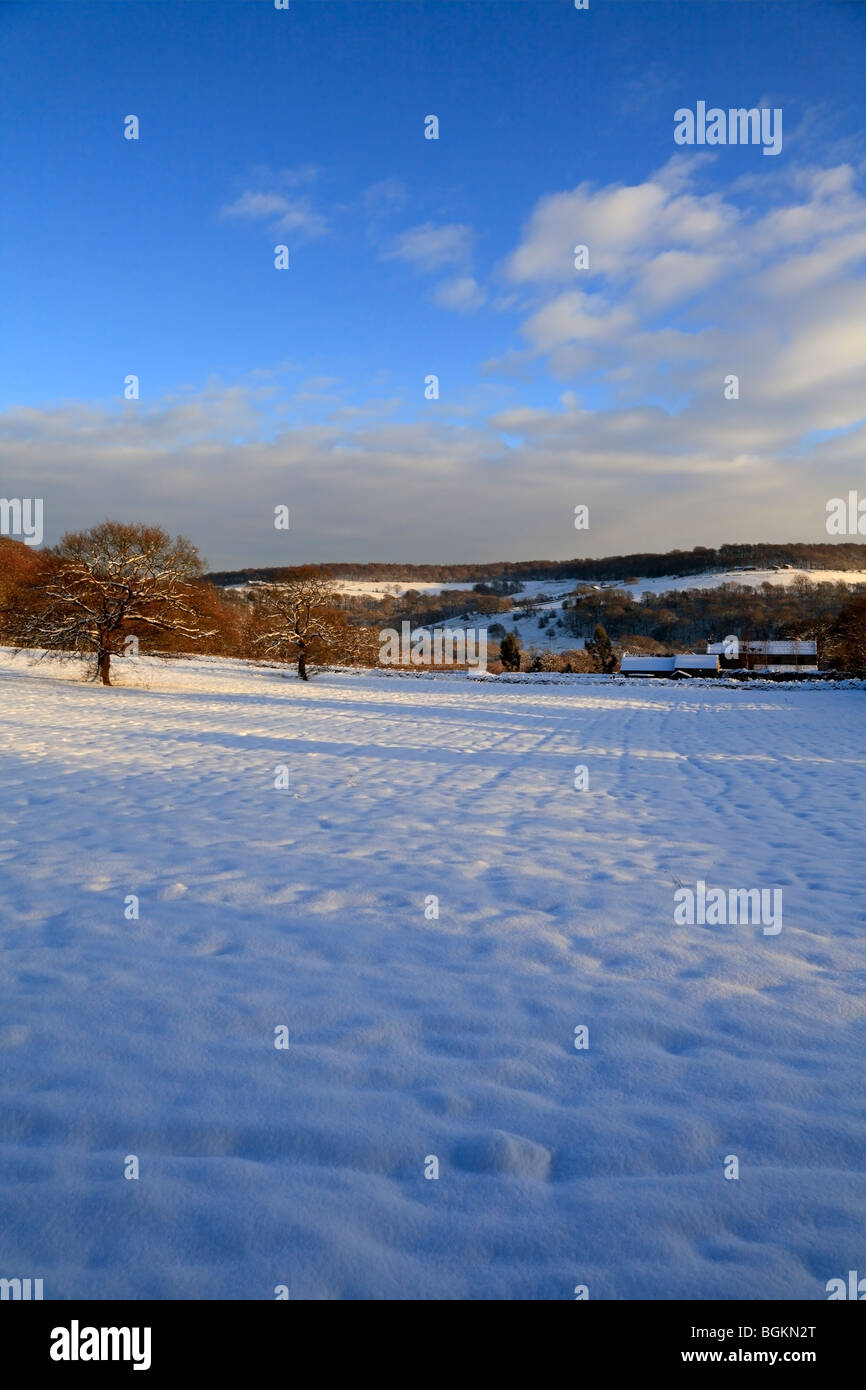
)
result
[(752, 579), (709, 579), (412, 1036), (375, 588), (394, 588)]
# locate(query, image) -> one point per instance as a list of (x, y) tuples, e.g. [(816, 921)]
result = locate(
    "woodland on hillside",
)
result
[(807, 555), (683, 620)]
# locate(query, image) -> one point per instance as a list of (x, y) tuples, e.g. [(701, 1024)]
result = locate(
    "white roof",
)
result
[(784, 648), (696, 661), (796, 648), (689, 661), (647, 663)]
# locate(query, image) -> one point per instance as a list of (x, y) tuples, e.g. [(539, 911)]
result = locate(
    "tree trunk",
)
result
[(302, 665), (103, 663)]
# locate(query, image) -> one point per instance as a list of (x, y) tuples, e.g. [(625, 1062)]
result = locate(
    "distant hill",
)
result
[(842, 555)]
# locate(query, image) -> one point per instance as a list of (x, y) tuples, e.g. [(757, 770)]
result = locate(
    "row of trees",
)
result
[(832, 555), (598, 655), (420, 609), (103, 592)]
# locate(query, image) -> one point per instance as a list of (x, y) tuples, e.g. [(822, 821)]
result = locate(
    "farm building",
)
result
[(776, 658), (682, 665)]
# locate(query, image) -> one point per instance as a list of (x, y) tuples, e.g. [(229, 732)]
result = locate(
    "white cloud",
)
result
[(686, 287), (765, 280), (464, 294), (271, 197), (430, 247), (619, 224), (385, 198), (370, 482), (672, 276), (575, 317)]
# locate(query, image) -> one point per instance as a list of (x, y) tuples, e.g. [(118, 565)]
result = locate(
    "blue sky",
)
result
[(412, 256)]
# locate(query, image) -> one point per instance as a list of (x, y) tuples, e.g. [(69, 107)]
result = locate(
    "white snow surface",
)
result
[(412, 1037)]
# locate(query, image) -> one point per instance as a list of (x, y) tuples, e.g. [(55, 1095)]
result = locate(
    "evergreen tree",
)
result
[(509, 652), (599, 647)]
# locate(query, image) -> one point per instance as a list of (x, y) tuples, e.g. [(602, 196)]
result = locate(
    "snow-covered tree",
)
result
[(293, 620), (298, 620), (99, 587)]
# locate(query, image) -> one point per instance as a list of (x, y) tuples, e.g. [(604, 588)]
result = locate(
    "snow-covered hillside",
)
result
[(540, 625), (413, 1036), (709, 579), (752, 579)]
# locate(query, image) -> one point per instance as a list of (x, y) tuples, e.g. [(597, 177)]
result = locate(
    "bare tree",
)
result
[(298, 620), (96, 588), (293, 621)]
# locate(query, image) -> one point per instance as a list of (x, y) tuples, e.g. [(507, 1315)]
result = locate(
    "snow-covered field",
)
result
[(376, 588), (752, 579), (710, 579), (412, 1036), (394, 588)]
